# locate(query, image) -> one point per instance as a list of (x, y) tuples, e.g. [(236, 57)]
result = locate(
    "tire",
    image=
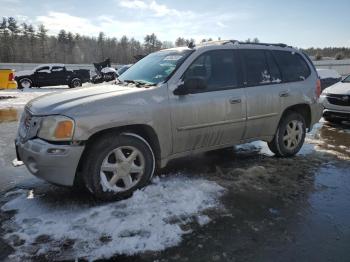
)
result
[(125, 161), (25, 83), (76, 82), (290, 135)]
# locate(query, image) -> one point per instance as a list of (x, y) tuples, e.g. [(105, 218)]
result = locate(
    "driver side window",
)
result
[(44, 69), (57, 69), (217, 68)]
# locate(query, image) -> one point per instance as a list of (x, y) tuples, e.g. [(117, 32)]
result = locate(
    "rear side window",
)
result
[(275, 74), (217, 68), (293, 66), (260, 68)]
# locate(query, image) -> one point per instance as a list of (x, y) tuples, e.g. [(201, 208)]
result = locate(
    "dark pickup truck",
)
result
[(51, 75)]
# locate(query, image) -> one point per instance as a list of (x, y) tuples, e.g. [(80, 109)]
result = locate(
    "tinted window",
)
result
[(275, 74), (44, 69), (256, 67), (217, 68), (57, 69), (292, 65)]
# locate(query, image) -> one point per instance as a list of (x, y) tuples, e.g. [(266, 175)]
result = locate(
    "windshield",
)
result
[(156, 67), (347, 79)]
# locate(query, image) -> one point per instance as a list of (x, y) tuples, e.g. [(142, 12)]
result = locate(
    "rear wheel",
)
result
[(76, 82), (290, 135), (25, 83), (115, 166)]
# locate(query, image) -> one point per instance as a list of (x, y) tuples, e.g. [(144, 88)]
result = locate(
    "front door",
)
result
[(42, 76), (213, 116), (58, 75)]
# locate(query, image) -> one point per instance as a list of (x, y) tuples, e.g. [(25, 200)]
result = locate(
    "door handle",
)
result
[(235, 100), (284, 94)]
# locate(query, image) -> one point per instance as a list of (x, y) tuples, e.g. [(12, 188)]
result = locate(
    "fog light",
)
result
[(56, 151)]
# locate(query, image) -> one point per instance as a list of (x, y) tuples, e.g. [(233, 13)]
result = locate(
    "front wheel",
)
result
[(290, 135), (117, 165)]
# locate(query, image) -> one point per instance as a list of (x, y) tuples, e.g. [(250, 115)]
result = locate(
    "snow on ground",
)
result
[(151, 220), (18, 98)]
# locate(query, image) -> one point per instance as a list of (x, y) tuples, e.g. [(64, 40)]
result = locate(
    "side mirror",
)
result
[(191, 85)]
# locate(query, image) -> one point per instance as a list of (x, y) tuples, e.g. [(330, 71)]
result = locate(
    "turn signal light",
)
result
[(64, 129)]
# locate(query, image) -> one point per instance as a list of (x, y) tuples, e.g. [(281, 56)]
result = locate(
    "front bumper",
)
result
[(335, 111), (54, 163), (12, 85), (336, 114)]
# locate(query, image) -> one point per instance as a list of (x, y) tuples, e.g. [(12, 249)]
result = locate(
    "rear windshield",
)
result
[(292, 65)]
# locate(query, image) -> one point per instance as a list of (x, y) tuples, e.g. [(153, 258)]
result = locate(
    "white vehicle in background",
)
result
[(336, 102), (328, 77)]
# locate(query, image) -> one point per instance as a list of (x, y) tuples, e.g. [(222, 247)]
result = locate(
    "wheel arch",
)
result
[(146, 132), (18, 79), (303, 109)]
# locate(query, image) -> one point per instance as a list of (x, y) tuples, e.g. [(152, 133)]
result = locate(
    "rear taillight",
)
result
[(318, 88), (11, 76)]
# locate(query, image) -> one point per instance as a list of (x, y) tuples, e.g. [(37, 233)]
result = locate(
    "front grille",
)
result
[(339, 100)]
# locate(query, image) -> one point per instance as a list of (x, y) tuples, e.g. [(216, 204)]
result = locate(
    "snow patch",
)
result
[(149, 221)]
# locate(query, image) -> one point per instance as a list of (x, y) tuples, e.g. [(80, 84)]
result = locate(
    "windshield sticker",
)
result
[(172, 58)]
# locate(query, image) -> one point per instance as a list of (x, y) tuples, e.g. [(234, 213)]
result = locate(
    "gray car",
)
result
[(173, 103)]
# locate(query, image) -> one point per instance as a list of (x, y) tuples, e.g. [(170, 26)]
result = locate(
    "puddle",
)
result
[(8, 115)]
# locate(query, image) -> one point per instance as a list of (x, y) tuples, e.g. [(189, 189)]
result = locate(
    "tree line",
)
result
[(25, 43)]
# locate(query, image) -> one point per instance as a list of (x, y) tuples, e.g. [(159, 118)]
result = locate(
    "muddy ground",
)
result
[(273, 209)]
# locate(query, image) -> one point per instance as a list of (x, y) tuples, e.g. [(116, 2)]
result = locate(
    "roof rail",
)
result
[(236, 42)]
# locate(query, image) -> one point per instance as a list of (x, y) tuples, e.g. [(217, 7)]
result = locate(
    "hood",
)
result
[(59, 102), (24, 73), (338, 89)]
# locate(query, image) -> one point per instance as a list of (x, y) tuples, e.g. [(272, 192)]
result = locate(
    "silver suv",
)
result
[(173, 103)]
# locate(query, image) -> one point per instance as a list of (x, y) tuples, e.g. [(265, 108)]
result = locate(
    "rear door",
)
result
[(297, 86), (213, 116), (263, 90)]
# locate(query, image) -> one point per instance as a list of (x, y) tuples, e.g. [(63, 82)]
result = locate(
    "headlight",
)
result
[(56, 128)]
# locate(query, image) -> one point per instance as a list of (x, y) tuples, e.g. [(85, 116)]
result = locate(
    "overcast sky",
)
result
[(302, 23)]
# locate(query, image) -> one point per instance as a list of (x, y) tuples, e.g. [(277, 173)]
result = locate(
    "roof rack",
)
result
[(236, 42)]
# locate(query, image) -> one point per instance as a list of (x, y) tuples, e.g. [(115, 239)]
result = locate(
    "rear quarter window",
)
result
[(292, 65)]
